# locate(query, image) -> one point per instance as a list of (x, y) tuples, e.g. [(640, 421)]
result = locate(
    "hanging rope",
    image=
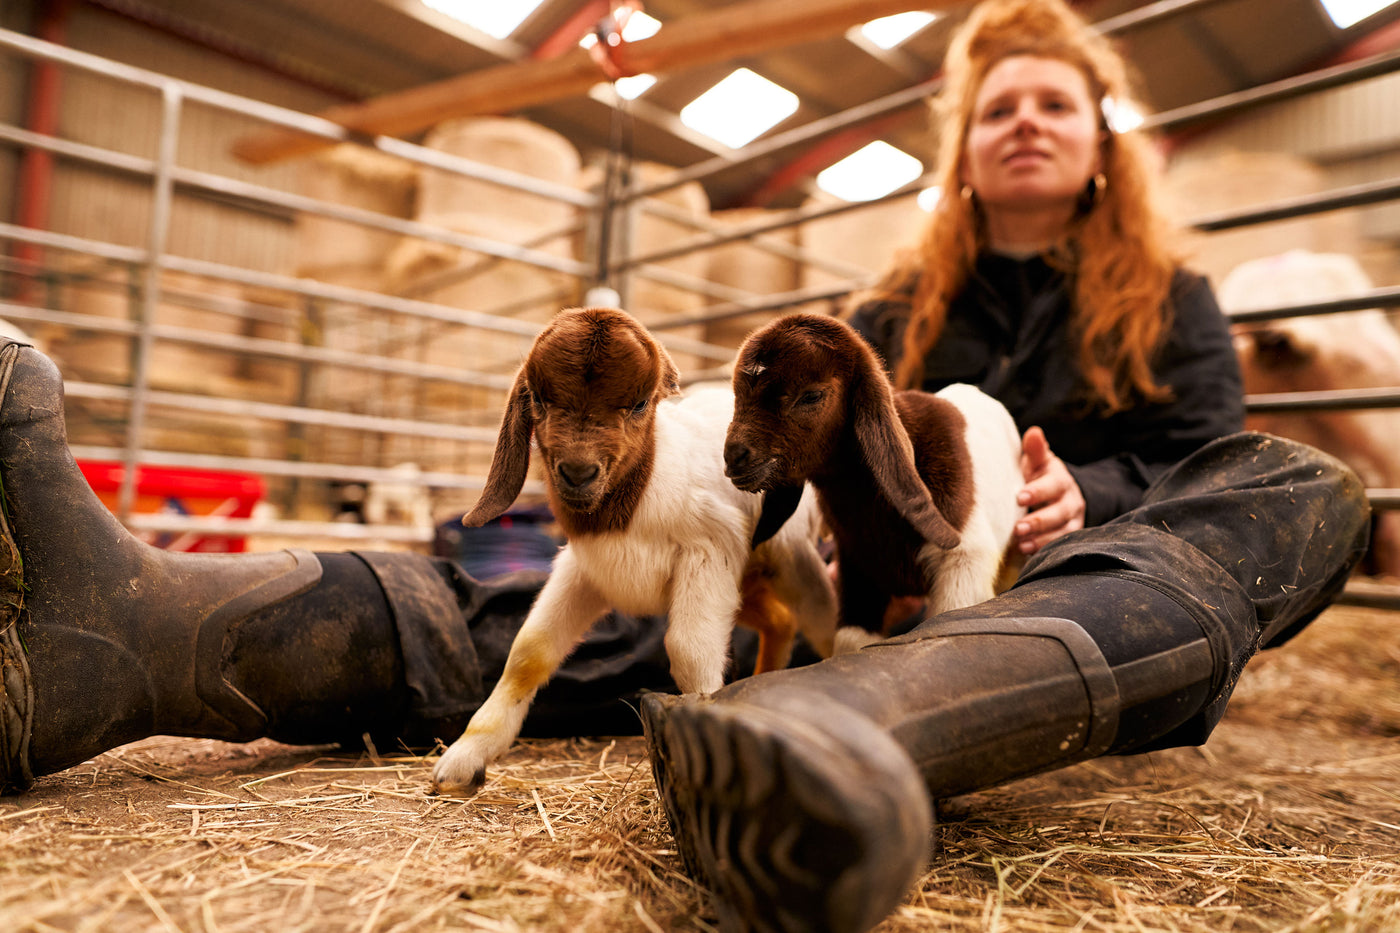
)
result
[(617, 177)]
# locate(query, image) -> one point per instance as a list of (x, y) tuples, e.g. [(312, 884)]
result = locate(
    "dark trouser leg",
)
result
[(1119, 638)]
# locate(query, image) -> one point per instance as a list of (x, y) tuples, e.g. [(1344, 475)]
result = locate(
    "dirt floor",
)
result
[(1287, 820)]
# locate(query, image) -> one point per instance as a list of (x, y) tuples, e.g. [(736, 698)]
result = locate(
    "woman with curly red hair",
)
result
[(1165, 545), (1046, 276)]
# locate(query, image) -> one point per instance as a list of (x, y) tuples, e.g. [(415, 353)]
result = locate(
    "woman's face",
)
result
[(1034, 139)]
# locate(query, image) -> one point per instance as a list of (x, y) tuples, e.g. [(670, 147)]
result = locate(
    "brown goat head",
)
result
[(587, 392), (805, 386)]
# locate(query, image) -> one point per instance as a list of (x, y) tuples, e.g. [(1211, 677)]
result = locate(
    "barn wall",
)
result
[(99, 203), (1350, 134)]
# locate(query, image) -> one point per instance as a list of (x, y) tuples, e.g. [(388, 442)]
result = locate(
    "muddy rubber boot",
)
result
[(781, 789), (105, 640)]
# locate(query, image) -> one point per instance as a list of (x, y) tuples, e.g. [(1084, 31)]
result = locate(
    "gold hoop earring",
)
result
[(1098, 189), (1094, 192)]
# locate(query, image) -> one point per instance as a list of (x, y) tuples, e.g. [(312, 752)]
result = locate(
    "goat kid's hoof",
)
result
[(458, 774), (817, 823)]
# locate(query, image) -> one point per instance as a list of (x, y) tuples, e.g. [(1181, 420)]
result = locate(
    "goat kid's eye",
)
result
[(810, 397), (638, 408)]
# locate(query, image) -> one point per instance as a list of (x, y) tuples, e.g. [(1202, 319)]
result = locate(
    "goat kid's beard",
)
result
[(761, 478)]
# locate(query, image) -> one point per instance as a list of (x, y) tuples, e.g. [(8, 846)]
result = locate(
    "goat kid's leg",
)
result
[(963, 576), (764, 612), (567, 606), (805, 585), (704, 605)]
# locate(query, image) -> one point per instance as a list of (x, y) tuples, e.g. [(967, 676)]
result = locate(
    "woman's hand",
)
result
[(1053, 500)]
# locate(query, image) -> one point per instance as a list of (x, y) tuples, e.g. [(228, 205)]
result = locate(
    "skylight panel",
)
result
[(740, 108), (492, 17), (1350, 12), (870, 172), (1121, 115), (889, 31), (634, 86), (929, 197)]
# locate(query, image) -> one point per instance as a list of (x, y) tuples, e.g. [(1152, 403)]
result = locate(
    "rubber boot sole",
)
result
[(790, 825)]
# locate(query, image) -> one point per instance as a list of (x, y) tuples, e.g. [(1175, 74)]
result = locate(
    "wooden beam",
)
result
[(715, 35)]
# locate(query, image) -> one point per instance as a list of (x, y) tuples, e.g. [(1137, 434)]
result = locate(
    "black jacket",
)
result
[(1007, 333)]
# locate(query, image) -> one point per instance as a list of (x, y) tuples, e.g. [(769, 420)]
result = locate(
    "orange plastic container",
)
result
[(180, 492)]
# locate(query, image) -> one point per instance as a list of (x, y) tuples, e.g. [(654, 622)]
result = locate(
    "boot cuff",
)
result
[(441, 667)]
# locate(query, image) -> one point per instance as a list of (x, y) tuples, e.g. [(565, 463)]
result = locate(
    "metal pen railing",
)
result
[(169, 180)]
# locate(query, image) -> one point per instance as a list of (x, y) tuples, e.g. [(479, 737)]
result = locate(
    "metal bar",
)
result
[(301, 469), (1284, 89), (1368, 595), (259, 346), (1149, 14), (1355, 196), (774, 302), (299, 286), (1326, 400), (261, 196), (272, 412), (162, 198), (775, 247), (242, 527), (365, 218), (131, 255), (1376, 298), (305, 123), (789, 218)]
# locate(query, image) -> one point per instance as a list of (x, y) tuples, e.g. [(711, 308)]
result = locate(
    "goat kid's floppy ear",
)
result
[(778, 505), (670, 382), (511, 459), (890, 455)]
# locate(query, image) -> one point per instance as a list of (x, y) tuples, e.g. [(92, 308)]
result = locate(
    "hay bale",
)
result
[(743, 265), (462, 278), (1196, 187), (93, 356), (511, 143), (866, 237), (356, 177), (188, 302)]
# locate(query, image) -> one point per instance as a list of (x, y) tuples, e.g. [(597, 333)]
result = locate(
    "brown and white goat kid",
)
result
[(635, 477), (919, 489)]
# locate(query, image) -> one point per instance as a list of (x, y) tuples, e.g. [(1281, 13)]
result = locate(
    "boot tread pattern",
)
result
[(782, 840)]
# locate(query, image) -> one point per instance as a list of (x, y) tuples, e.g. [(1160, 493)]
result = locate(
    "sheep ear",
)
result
[(890, 456), (511, 460), (778, 505)]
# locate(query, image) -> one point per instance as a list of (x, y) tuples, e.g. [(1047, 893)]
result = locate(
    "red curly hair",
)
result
[(1117, 250)]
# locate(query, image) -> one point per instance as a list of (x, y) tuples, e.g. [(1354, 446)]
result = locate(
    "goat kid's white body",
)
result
[(683, 555), (967, 574)]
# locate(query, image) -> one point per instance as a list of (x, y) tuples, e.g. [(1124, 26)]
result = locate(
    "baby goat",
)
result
[(636, 481), (919, 489)]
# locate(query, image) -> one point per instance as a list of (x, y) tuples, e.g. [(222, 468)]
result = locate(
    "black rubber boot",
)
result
[(105, 640), (1120, 638)]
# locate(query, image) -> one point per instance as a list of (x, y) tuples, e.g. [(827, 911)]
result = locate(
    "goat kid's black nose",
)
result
[(577, 475), (736, 456)]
